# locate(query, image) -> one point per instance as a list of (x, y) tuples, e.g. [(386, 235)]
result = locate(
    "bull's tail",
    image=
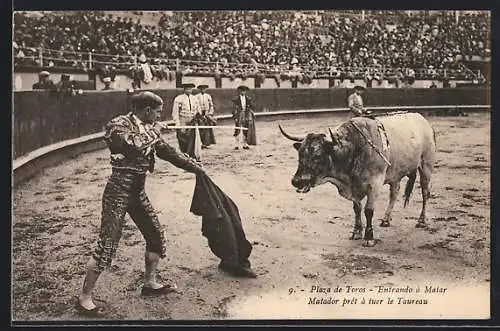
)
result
[(434, 136), (409, 186)]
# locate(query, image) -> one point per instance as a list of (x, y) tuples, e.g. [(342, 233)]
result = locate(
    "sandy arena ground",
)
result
[(299, 240)]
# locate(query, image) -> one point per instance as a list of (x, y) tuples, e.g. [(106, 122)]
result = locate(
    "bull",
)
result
[(365, 154)]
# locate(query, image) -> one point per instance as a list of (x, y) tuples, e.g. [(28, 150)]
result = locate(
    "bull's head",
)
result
[(315, 160)]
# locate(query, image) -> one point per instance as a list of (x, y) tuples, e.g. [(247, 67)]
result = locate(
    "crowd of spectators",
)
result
[(262, 41)]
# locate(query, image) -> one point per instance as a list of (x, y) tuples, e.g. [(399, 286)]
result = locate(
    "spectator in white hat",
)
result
[(146, 69), (44, 82), (107, 84)]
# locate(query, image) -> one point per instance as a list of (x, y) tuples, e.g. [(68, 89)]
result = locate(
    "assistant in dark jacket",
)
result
[(243, 116)]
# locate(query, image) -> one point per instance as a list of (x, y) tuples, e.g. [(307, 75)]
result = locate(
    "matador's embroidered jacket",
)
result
[(133, 146)]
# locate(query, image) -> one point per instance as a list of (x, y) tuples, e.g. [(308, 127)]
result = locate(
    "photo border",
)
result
[(428, 5)]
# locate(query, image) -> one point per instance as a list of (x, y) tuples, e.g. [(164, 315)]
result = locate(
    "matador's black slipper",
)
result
[(94, 313), (165, 289)]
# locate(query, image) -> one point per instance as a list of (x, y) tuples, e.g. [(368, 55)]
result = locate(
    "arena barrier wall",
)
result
[(24, 79), (49, 129)]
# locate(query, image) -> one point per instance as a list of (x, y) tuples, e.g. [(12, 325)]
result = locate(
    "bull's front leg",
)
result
[(369, 240), (358, 225), (373, 192)]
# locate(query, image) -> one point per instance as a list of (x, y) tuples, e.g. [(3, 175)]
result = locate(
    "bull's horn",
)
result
[(331, 134), (288, 136)]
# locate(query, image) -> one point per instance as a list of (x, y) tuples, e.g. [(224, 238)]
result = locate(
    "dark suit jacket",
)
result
[(245, 118), (239, 113)]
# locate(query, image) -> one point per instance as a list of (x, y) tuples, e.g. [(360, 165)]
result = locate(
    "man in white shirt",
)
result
[(206, 108), (146, 69), (355, 102), (184, 109), (205, 101)]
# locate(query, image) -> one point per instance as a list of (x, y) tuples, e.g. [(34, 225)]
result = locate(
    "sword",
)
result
[(371, 144)]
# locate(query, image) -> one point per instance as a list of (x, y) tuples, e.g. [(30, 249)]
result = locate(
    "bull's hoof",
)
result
[(385, 224), (369, 243), (356, 236), (421, 225)]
